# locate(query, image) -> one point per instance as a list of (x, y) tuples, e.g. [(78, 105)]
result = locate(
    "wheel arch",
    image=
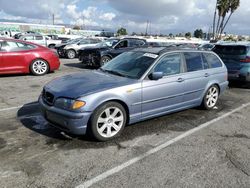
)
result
[(121, 102), (71, 49)]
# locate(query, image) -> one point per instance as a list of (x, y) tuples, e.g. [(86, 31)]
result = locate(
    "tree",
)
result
[(232, 8), (223, 8), (188, 35), (171, 35), (122, 31), (198, 33), (77, 27), (179, 35)]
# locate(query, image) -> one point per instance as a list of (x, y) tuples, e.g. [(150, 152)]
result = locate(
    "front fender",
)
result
[(128, 95), (106, 53)]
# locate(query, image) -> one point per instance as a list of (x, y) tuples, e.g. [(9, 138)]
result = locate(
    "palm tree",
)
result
[(215, 13), (222, 6), (234, 5)]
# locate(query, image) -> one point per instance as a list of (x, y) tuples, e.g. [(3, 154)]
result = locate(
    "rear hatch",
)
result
[(234, 56)]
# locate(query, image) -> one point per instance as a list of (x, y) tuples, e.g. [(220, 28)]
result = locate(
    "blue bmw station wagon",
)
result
[(134, 86)]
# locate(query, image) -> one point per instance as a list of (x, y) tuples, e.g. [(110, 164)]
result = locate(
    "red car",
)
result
[(18, 56)]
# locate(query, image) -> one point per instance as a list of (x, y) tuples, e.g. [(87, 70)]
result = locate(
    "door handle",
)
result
[(206, 75), (180, 80)]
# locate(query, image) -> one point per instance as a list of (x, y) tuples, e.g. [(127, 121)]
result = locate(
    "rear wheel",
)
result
[(71, 54), (39, 67), (211, 97), (52, 46), (104, 60), (108, 121)]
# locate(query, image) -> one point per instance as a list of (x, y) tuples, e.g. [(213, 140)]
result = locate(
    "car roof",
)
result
[(22, 41), (161, 50), (32, 34), (233, 44)]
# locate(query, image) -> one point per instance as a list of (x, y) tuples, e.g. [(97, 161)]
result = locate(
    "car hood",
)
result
[(67, 46), (81, 84)]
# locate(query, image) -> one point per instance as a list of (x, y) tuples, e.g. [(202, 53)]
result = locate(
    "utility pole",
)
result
[(53, 18), (147, 28)]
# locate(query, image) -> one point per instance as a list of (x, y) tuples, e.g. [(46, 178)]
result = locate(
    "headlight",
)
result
[(69, 104)]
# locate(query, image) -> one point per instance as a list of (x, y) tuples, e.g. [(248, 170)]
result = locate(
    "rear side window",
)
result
[(193, 61), (39, 38), (212, 60), (136, 43), (230, 50), (10, 46)]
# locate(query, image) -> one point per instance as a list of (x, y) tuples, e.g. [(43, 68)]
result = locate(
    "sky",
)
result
[(164, 16)]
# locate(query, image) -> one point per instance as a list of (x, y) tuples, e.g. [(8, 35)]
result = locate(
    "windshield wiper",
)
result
[(115, 73)]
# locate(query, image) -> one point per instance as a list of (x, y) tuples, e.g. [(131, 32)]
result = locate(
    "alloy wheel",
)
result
[(71, 54), (212, 97), (39, 67), (110, 122)]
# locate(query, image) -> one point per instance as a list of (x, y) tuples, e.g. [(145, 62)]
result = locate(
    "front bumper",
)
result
[(60, 52), (71, 122), (89, 59)]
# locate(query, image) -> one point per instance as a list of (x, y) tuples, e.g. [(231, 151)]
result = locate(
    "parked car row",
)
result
[(70, 49), (122, 91), (102, 53)]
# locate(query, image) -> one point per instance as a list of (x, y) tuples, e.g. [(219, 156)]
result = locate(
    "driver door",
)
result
[(166, 94), (120, 47)]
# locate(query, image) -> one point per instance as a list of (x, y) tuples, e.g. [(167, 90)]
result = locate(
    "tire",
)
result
[(211, 98), (71, 54), (108, 121), (105, 59), (39, 67), (52, 46)]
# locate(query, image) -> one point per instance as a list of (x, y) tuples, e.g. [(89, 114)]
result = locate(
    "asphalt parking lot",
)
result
[(191, 148)]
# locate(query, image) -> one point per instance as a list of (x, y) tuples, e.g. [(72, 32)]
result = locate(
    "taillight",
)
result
[(246, 60)]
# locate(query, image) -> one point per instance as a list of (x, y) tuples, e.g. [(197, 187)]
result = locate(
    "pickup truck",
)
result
[(40, 39)]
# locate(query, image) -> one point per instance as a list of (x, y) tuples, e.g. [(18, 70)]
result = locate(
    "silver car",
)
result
[(134, 86)]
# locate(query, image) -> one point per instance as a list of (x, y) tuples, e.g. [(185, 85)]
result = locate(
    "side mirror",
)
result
[(156, 75)]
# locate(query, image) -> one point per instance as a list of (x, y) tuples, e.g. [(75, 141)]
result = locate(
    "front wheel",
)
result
[(104, 60), (39, 67), (71, 54), (108, 121), (211, 97)]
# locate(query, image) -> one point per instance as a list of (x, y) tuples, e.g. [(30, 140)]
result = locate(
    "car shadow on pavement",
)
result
[(79, 65), (30, 117), (238, 84)]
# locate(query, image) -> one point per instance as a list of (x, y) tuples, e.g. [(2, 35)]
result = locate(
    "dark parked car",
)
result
[(101, 54), (135, 86), (17, 56), (237, 59)]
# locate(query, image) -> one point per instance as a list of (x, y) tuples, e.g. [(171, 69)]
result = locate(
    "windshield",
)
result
[(107, 43), (73, 41), (130, 64)]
